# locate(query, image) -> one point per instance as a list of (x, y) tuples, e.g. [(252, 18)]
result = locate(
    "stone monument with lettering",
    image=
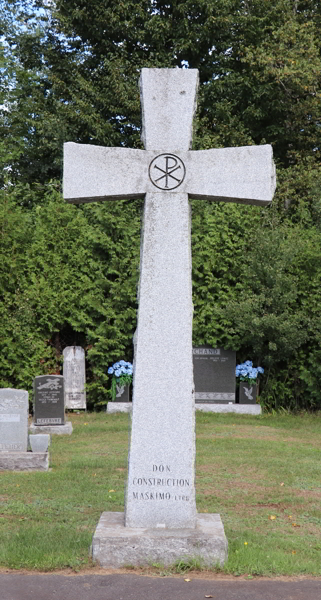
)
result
[(214, 375), (75, 377), (49, 400), (160, 521), (49, 405)]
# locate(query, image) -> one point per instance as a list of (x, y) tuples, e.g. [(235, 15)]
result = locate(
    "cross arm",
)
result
[(245, 175), (94, 173)]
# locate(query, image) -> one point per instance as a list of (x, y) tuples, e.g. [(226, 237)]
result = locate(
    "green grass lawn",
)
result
[(262, 474)]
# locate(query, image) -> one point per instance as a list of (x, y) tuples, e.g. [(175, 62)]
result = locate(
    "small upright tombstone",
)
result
[(14, 409), (13, 420), (214, 375), (75, 377), (49, 400)]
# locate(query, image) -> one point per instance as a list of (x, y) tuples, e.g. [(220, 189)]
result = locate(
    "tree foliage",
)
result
[(70, 71), (65, 279)]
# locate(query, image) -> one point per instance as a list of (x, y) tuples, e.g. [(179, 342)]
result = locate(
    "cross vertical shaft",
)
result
[(160, 490)]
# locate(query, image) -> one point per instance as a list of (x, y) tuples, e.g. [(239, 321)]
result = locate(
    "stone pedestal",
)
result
[(115, 545), (119, 407), (65, 429), (24, 461), (239, 409)]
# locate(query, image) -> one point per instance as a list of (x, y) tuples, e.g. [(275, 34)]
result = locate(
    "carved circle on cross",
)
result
[(167, 171)]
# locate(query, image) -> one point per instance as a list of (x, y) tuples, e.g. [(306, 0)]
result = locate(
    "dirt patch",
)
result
[(316, 494), (206, 575)]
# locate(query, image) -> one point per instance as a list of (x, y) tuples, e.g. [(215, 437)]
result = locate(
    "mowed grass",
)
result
[(262, 474), (47, 519)]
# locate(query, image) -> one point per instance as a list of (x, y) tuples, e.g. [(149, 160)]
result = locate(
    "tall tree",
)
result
[(77, 71), (70, 71)]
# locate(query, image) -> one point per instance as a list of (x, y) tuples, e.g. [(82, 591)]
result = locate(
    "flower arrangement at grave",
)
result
[(122, 374), (246, 372)]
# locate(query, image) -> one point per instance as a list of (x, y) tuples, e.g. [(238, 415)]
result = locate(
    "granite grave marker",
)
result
[(161, 522), (214, 375), (75, 377), (14, 410), (49, 400)]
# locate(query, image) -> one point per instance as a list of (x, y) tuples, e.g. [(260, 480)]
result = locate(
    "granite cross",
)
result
[(160, 489)]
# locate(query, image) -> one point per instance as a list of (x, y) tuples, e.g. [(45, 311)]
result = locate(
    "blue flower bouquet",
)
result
[(246, 372), (122, 374)]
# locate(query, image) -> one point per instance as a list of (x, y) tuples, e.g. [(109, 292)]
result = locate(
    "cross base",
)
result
[(115, 545)]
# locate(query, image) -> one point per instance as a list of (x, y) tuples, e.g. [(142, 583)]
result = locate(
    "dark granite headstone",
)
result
[(49, 400), (214, 375)]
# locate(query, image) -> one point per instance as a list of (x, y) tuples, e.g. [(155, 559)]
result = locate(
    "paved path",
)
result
[(135, 587)]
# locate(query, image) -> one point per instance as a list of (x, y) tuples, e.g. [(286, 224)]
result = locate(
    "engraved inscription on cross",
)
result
[(166, 173)]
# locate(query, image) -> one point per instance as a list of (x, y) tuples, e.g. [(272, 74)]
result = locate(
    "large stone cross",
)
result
[(160, 490)]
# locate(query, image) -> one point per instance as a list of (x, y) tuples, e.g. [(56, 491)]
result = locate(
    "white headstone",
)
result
[(13, 420), (160, 491), (75, 377)]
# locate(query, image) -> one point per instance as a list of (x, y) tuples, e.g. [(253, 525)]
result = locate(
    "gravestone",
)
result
[(75, 377), (160, 522), (14, 409), (214, 375), (49, 400), (13, 420)]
